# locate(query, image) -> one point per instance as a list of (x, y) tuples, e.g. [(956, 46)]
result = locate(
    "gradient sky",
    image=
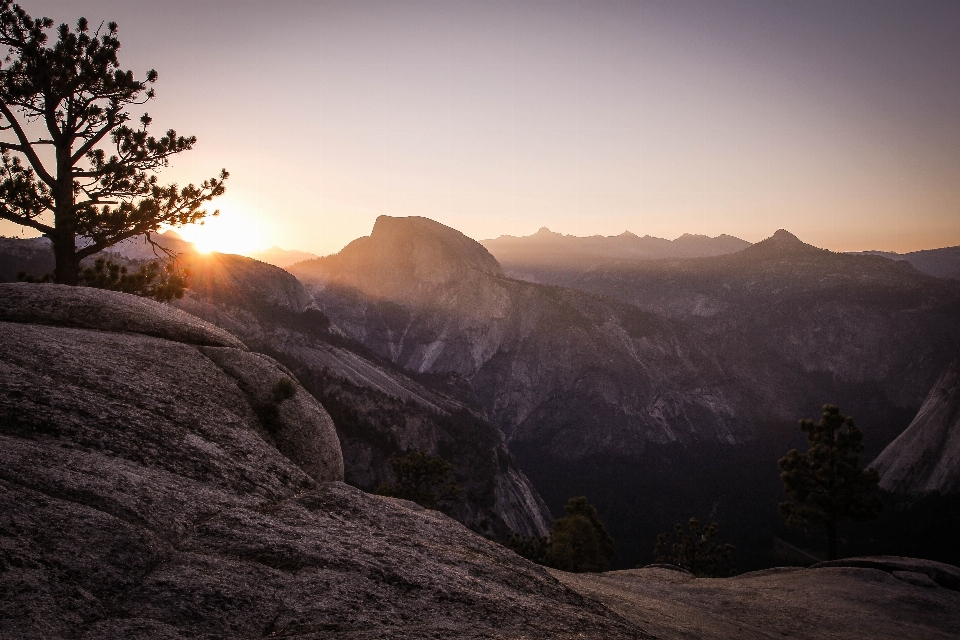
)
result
[(839, 121)]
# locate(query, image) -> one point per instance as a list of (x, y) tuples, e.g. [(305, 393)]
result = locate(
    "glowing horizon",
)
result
[(835, 121), (238, 229)]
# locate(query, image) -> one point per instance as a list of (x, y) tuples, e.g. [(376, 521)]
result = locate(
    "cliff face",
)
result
[(575, 373), (926, 457), (794, 325), (378, 410), (143, 494), (676, 390)]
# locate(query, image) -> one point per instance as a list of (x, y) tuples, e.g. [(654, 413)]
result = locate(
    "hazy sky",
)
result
[(839, 121)]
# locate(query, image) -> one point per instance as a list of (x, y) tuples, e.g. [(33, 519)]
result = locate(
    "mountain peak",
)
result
[(782, 243), (405, 259), (544, 232), (782, 235)]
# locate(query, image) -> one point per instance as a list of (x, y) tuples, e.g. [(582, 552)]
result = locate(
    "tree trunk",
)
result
[(67, 269), (831, 541)]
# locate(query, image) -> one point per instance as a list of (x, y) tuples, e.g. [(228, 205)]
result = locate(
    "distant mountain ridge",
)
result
[(940, 263), (641, 382), (546, 247), (281, 257)]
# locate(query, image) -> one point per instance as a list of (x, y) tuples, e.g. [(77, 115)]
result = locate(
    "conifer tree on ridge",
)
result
[(827, 484), (76, 93)]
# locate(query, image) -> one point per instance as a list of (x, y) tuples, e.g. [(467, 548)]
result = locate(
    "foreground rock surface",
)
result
[(829, 602), (144, 495)]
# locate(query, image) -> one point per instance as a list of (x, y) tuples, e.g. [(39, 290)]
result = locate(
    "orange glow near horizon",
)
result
[(236, 230)]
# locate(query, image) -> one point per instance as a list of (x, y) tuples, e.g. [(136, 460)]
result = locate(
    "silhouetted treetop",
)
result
[(100, 186)]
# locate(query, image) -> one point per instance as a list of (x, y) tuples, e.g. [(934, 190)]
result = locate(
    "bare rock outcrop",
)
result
[(143, 495), (926, 456), (888, 598), (87, 308)]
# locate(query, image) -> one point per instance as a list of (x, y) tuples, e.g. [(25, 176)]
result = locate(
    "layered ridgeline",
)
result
[(572, 373), (547, 249), (671, 393), (942, 263), (796, 325), (525, 257), (379, 411)]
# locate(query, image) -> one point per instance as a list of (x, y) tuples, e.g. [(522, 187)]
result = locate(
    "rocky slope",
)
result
[(273, 313), (902, 599), (925, 458), (378, 410), (144, 493)]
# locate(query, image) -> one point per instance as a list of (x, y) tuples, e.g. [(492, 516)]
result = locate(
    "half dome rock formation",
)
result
[(407, 260), (153, 485), (570, 372), (926, 456)]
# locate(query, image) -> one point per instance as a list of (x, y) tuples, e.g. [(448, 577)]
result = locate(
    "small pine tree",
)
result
[(421, 478), (696, 551), (578, 541), (827, 484), (533, 548), (162, 283), (269, 412)]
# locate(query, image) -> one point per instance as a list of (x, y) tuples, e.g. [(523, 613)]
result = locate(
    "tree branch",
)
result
[(26, 149), (109, 242), (92, 142), (6, 214)]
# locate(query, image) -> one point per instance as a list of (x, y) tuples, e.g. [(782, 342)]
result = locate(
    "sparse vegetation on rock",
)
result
[(422, 478), (695, 550), (577, 542), (827, 484)]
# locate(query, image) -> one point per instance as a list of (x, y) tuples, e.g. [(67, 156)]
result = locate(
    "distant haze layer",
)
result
[(835, 120)]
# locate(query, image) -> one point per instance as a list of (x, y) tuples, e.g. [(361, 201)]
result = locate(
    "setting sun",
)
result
[(236, 230)]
